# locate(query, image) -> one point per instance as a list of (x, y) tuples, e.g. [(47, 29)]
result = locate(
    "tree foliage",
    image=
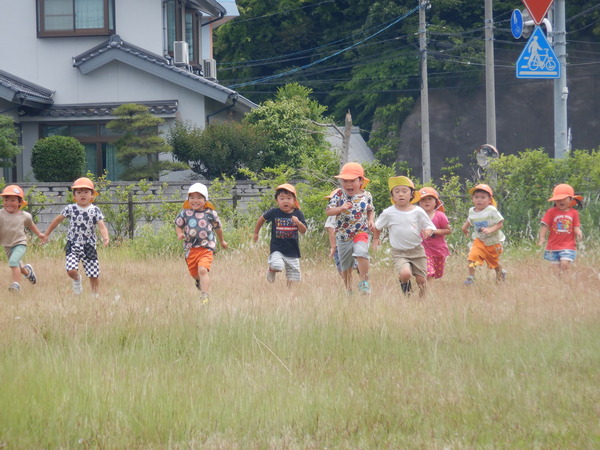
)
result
[(220, 149), (58, 158), (9, 141), (139, 146)]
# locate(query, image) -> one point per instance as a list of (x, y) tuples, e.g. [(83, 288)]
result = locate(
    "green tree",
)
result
[(58, 158), (220, 149), (288, 122), (139, 146), (9, 139)]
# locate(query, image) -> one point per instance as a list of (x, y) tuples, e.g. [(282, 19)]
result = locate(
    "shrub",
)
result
[(58, 158)]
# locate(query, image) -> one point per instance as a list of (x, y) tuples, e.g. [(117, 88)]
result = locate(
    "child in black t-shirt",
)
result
[(287, 220)]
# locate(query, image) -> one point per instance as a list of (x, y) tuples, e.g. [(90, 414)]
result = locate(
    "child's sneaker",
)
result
[(204, 297), (14, 287), (271, 276), (30, 274), (502, 278), (198, 285), (77, 287), (470, 280), (364, 288), (406, 287)]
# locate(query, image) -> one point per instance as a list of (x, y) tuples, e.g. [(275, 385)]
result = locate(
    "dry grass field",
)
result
[(263, 366)]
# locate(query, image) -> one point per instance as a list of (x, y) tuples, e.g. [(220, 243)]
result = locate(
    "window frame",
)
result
[(108, 29)]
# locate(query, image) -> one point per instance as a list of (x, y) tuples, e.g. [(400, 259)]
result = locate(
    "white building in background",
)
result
[(66, 64)]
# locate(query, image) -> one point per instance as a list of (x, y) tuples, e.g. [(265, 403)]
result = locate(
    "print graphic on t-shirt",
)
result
[(481, 224), (563, 224), (285, 228)]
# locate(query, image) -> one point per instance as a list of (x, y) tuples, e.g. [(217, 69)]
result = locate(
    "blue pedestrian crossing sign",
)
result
[(538, 59)]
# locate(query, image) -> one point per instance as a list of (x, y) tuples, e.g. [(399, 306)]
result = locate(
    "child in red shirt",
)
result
[(563, 222)]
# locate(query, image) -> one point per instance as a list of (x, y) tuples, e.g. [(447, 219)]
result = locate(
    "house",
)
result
[(66, 64)]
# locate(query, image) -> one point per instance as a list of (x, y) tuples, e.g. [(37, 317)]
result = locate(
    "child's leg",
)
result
[(422, 282), (405, 273), (347, 276), (15, 273), (204, 278), (363, 268), (563, 267), (94, 284)]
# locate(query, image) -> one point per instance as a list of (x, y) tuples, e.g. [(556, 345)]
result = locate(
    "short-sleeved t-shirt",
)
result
[(436, 244), (82, 223), (284, 232), (404, 226), (12, 227), (198, 227), (487, 217), (354, 221), (562, 228)]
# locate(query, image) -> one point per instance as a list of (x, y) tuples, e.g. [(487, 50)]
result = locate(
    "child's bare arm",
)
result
[(103, 232), (337, 210), (56, 222), (376, 241), (259, 223), (442, 231), (34, 229), (493, 228), (578, 233), (301, 227), (465, 228), (542, 236), (219, 233), (371, 219), (180, 234)]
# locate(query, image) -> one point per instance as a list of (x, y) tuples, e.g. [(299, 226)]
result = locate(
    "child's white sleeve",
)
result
[(331, 222)]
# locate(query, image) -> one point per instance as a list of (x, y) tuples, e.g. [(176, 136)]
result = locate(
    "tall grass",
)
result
[(264, 366)]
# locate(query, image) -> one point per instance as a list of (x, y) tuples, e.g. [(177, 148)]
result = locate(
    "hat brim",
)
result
[(207, 205), (350, 178)]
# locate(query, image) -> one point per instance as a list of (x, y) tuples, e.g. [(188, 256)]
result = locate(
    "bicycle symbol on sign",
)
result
[(539, 58)]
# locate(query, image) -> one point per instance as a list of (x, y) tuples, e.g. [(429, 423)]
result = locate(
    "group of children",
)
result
[(416, 233)]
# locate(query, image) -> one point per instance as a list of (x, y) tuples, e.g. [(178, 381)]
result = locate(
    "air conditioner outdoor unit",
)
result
[(210, 69), (180, 53)]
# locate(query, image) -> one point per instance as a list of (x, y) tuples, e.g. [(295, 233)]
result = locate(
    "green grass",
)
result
[(263, 366)]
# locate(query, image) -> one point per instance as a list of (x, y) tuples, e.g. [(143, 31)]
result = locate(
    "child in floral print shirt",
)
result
[(353, 206), (197, 225)]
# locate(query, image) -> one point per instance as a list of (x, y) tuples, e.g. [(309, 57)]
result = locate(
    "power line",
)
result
[(283, 74)]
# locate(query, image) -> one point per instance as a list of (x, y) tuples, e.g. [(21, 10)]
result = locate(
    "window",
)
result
[(75, 17), (100, 150), (183, 24)]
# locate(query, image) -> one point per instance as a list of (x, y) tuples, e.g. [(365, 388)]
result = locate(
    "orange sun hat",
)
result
[(431, 192), (335, 191), (484, 188), (14, 190), (562, 191), (352, 171), (85, 183), (288, 187)]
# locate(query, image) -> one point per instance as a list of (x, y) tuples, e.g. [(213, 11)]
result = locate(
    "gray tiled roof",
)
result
[(115, 49), (166, 107), (17, 90)]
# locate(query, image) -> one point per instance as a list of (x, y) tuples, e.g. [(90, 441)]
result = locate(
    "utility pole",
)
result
[(425, 151), (490, 81), (561, 91), (346, 139)]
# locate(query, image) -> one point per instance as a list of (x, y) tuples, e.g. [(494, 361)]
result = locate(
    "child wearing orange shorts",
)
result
[(487, 236), (196, 225)]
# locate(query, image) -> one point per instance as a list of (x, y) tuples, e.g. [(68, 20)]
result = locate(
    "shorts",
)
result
[(199, 257), (435, 266), (15, 254), (87, 254), (278, 261), (348, 250), (489, 254), (556, 256), (414, 257)]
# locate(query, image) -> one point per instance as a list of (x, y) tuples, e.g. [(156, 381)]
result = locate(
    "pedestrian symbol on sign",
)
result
[(537, 59)]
